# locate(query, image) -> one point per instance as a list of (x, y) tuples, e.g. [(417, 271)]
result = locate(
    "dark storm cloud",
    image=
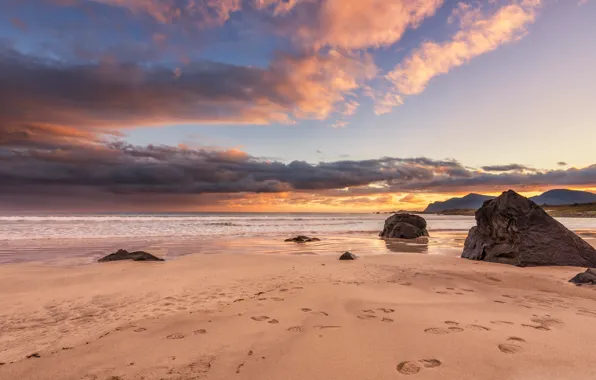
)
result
[(507, 168), (36, 91), (120, 168)]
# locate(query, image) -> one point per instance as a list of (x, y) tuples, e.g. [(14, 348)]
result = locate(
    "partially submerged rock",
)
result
[(302, 239), (512, 229), (348, 256), (585, 278), (134, 256), (404, 226)]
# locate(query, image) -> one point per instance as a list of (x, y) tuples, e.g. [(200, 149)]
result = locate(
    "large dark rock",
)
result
[(404, 226), (511, 229), (302, 239), (348, 256), (125, 255), (585, 278)]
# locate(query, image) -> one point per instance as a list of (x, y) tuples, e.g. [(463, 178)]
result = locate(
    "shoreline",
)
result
[(201, 316)]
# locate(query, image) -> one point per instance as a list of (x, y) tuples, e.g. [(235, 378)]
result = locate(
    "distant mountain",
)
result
[(564, 197), (470, 201), (474, 201)]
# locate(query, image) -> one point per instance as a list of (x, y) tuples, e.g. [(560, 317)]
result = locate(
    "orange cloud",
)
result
[(479, 35), (356, 24), (351, 24), (317, 83)]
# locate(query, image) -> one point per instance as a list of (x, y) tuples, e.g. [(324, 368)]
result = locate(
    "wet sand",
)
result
[(295, 317)]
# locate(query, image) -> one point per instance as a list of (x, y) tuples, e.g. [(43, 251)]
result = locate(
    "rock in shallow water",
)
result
[(125, 255), (585, 278), (511, 229), (404, 226), (302, 239)]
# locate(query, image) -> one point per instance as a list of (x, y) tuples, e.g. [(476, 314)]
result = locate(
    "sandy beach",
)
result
[(295, 317)]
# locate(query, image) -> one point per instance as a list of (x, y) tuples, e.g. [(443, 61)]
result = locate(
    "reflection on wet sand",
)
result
[(419, 245)]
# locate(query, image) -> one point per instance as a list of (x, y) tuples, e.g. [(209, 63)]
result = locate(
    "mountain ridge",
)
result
[(555, 197)]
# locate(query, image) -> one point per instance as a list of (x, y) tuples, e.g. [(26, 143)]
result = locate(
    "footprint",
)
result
[(260, 318), (430, 363), (516, 339), (387, 320), (321, 314), (140, 329), (459, 294), (497, 301), (508, 296), (306, 310), (368, 311), (450, 288), (468, 290), (477, 328), (367, 316), (537, 327), (510, 348), (412, 368), (386, 310), (295, 329), (586, 313), (441, 292), (277, 299), (455, 329), (501, 322), (436, 331), (408, 368), (452, 323), (175, 336), (199, 331), (324, 327), (547, 320), (273, 321)]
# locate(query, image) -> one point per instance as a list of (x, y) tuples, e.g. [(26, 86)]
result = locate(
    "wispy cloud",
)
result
[(479, 34), (199, 13), (508, 168)]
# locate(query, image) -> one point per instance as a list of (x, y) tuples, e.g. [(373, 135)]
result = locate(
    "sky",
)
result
[(292, 105)]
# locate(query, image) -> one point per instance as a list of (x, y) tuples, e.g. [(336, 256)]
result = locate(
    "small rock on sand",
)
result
[(348, 256), (123, 254), (585, 278)]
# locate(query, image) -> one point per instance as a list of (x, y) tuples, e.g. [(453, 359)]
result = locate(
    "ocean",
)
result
[(81, 239)]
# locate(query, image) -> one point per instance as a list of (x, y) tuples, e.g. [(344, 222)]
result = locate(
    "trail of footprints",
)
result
[(512, 345)]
